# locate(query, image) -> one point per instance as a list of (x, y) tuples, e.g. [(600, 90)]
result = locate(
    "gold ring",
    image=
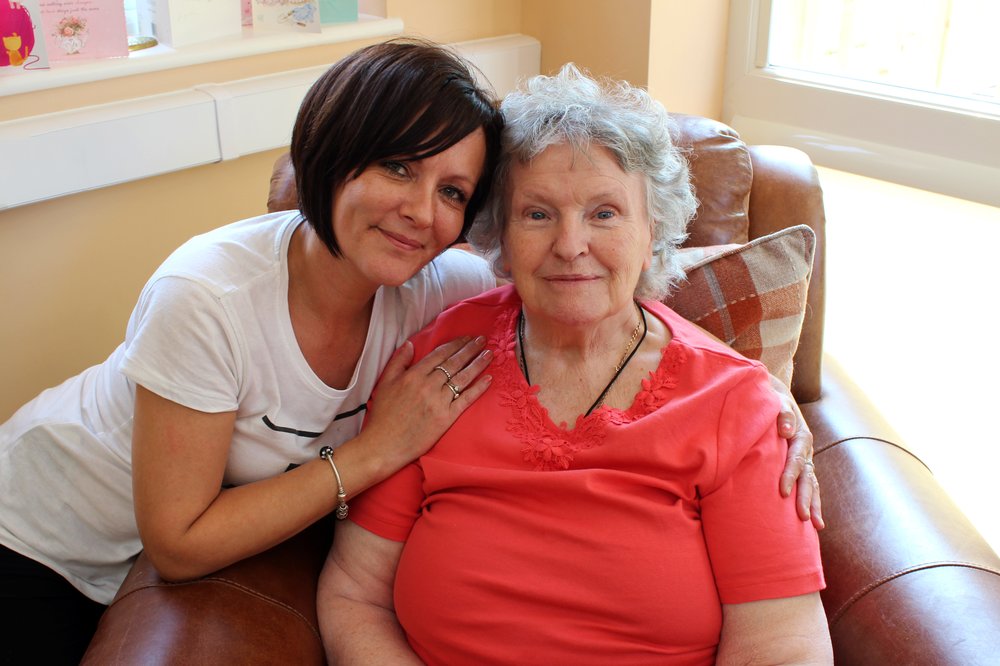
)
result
[(446, 373), (455, 391)]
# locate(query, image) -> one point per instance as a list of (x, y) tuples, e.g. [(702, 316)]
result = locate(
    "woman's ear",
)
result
[(503, 263), (647, 260)]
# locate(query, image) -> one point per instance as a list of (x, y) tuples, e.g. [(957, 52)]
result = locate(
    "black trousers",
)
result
[(43, 619)]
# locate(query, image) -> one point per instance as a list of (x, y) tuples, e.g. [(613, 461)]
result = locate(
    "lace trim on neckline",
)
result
[(546, 446)]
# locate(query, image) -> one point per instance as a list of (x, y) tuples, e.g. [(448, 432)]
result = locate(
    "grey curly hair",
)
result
[(574, 108)]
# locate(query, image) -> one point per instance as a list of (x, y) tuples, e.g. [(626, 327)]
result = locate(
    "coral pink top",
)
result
[(615, 542)]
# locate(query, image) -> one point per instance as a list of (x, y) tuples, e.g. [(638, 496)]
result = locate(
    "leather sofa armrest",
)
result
[(261, 610), (909, 579)]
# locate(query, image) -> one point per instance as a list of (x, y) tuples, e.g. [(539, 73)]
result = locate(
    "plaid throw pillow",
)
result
[(753, 296)]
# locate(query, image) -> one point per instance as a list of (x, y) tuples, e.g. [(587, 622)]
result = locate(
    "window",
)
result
[(936, 46), (907, 92)]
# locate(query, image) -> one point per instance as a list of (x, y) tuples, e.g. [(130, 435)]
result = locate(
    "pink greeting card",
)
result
[(22, 38), (286, 16), (81, 29)]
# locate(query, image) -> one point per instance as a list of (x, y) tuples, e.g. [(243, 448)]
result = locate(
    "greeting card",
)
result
[(286, 16), (81, 29), (338, 11), (182, 22), (22, 37)]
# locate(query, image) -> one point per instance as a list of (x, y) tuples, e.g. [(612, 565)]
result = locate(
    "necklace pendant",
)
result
[(630, 351)]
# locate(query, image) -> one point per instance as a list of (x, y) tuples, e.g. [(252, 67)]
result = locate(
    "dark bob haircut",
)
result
[(401, 99)]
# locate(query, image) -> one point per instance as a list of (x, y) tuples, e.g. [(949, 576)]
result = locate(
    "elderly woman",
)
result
[(611, 497)]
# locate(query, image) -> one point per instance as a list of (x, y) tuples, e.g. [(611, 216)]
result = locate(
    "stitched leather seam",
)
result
[(225, 581), (885, 579), (874, 439)]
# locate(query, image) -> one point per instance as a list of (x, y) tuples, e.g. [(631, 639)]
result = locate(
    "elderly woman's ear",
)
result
[(647, 262)]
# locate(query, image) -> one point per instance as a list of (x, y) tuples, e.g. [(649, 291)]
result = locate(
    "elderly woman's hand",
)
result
[(799, 469)]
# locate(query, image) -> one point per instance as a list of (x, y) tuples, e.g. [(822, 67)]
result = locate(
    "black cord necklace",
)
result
[(629, 353)]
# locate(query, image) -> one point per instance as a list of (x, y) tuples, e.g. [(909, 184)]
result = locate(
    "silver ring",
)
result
[(446, 373), (455, 391)]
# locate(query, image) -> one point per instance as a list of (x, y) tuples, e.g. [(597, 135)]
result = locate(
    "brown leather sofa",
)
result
[(910, 581)]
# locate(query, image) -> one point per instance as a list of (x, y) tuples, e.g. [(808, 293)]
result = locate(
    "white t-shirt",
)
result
[(211, 331)]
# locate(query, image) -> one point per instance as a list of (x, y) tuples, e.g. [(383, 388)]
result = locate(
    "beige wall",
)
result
[(72, 267), (608, 38), (457, 20), (687, 53), (676, 48)]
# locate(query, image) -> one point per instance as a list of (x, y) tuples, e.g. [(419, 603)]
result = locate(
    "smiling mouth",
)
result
[(402, 242), (571, 278)]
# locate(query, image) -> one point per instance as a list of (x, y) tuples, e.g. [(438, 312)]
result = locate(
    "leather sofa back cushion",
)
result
[(721, 174)]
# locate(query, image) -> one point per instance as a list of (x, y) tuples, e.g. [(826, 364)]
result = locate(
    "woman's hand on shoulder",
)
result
[(800, 472), (415, 403)]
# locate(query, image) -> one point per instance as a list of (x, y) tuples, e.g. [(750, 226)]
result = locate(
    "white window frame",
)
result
[(931, 143)]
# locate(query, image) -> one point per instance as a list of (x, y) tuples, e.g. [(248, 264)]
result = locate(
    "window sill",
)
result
[(929, 143), (162, 57)]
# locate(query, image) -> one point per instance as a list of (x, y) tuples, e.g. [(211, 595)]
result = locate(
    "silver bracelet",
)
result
[(326, 453)]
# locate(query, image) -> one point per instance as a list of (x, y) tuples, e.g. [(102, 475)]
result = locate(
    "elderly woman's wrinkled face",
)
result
[(578, 234)]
